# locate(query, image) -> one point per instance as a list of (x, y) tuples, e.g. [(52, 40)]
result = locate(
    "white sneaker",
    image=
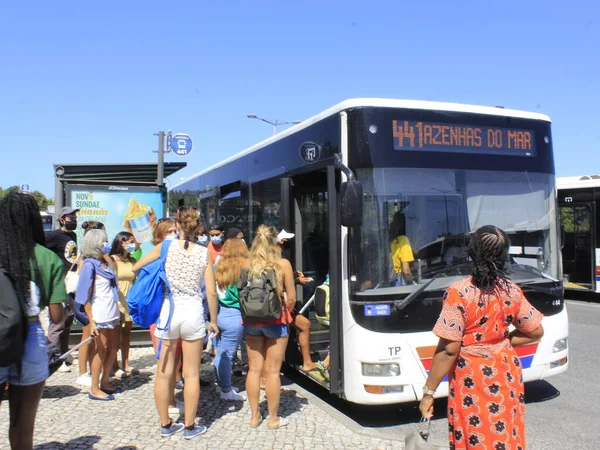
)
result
[(120, 374), (177, 409), (64, 368), (219, 390), (84, 380), (232, 395)]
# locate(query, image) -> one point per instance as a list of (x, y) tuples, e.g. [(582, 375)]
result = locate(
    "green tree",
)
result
[(40, 198)]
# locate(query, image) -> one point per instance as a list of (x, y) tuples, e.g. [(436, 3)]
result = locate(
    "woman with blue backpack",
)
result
[(234, 258), (185, 265)]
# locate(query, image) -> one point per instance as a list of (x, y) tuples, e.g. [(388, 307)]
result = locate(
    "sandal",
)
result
[(283, 422), (112, 391), (323, 370), (100, 399), (258, 424), (306, 372)]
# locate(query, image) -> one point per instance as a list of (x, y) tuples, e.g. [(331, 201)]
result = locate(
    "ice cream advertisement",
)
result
[(119, 208)]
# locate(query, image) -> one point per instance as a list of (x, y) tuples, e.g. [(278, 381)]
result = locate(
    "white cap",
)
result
[(284, 235)]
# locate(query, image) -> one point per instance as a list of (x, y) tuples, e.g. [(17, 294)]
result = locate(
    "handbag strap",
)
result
[(425, 434)]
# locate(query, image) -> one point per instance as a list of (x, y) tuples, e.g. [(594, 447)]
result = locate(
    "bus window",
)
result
[(265, 205)]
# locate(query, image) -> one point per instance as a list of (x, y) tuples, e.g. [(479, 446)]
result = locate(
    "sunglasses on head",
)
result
[(163, 219)]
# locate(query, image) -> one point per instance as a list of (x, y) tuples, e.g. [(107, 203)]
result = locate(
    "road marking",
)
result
[(573, 302)]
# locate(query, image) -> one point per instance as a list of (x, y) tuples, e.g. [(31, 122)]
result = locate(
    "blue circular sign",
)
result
[(310, 152), (182, 144)]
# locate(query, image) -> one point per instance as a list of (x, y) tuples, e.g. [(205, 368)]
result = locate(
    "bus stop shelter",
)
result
[(118, 174)]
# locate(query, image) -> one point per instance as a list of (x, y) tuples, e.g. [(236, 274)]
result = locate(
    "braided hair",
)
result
[(190, 224), (488, 249), (20, 230)]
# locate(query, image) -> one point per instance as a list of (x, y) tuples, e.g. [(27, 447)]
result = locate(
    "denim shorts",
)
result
[(34, 364), (273, 331), (108, 325)]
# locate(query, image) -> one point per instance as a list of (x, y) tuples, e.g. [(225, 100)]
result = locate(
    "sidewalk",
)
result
[(67, 419)]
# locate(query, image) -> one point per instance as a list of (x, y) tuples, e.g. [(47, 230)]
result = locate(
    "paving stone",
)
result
[(67, 419)]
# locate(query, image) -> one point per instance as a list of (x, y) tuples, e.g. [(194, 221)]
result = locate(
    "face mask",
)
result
[(70, 226), (106, 248), (202, 239), (216, 239), (130, 247), (171, 237)]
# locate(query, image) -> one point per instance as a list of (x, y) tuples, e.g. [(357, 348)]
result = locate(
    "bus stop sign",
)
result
[(182, 144)]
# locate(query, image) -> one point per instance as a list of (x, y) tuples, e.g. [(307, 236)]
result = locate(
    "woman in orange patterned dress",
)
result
[(486, 403)]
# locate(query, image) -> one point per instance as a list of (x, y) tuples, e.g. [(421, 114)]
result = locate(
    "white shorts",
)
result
[(187, 322)]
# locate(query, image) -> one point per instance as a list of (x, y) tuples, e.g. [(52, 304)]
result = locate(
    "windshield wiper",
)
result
[(535, 286), (401, 304)]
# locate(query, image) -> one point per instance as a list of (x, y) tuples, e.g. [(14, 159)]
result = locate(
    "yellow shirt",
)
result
[(401, 252), (126, 278)]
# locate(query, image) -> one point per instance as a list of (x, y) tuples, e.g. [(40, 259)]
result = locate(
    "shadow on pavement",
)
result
[(540, 391), (80, 442), (60, 391), (147, 362), (380, 416), (133, 382), (583, 296), (289, 404)]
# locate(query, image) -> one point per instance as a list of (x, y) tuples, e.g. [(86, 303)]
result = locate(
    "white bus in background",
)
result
[(338, 179), (579, 206)]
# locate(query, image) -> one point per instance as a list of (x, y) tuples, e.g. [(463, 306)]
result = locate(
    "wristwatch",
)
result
[(427, 391)]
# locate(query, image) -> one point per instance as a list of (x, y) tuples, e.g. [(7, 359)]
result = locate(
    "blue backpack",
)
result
[(145, 297)]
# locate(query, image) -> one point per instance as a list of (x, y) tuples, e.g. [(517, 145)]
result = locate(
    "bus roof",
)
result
[(378, 103), (578, 182)]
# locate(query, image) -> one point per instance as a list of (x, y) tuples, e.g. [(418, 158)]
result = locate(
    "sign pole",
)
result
[(160, 175), (160, 170)]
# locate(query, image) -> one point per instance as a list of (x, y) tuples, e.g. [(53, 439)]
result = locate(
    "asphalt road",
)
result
[(563, 412)]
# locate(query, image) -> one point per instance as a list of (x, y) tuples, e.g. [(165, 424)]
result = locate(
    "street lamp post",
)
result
[(270, 122)]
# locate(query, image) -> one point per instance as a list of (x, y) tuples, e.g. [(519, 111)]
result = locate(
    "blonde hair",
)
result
[(161, 230), (265, 254), (232, 259)]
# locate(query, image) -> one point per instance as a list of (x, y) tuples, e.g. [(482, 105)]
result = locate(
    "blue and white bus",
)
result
[(338, 180)]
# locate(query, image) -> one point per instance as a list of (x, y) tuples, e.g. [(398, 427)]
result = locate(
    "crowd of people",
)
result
[(206, 272)]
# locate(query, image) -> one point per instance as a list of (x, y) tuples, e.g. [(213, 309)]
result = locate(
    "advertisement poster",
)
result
[(119, 208)]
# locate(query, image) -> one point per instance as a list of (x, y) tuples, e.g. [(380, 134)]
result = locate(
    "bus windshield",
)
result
[(427, 214)]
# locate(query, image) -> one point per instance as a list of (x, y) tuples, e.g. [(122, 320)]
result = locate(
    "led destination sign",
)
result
[(443, 137)]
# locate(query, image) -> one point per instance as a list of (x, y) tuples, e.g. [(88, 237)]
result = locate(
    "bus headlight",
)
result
[(560, 345), (381, 370)]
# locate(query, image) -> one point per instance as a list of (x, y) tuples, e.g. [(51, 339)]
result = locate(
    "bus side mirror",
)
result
[(351, 193)]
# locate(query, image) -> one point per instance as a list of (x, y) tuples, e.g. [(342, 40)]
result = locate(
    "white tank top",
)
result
[(104, 304)]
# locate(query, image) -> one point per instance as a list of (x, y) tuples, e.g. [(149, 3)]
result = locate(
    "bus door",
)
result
[(577, 227), (309, 219)]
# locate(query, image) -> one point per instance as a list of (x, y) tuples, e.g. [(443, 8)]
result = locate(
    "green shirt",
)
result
[(51, 279), (230, 297)]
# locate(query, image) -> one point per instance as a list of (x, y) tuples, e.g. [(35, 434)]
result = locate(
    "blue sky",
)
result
[(90, 82)]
